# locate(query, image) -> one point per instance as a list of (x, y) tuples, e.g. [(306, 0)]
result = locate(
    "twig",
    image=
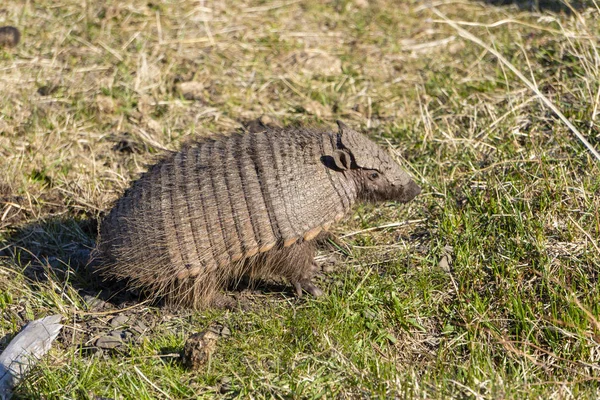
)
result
[(467, 35), (586, 234), (516, 22), (466, 389), (362, 282), (270, 7), (392, 225), (186, 41), (100, 313), (150, 382)]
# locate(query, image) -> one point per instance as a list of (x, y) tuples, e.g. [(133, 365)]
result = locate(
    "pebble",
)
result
[(225, 332), (122, 334), (444, 264), (119, 320), (108, 342), (225, 385), (93, 303), (139, 327)]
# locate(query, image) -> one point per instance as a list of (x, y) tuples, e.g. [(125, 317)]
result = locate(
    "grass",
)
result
[(490, 290)]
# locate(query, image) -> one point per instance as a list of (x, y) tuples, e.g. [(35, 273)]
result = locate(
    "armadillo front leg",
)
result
[(306, 282), (296, 263), (301, 268)]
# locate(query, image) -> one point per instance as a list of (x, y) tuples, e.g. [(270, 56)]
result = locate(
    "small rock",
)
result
[(225, 386), (254, 126), (139, 327), (444, 264), (122, 334), (225, 302), (108, 342), (446, 260), (225, 332), (135, 116), (191, 90), (54, 262), (198, 349), (448, 249), (220, 330), (215, 328), (119, 320), (360, 108), (117, 333), (93, 303)]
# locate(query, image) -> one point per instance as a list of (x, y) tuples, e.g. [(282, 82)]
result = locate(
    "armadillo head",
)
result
[(378, 176)]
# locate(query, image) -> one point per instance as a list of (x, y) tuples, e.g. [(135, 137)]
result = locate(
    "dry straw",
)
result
[(469, 36)]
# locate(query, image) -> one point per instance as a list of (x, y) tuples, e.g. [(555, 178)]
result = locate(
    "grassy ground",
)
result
[(489, 291)]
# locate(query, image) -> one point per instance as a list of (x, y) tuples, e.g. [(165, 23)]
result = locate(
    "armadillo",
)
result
[(244, 205)]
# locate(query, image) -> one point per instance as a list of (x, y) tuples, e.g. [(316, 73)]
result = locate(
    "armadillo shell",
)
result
[(203, 211)]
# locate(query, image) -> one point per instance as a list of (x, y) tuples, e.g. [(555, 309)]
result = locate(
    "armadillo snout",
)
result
[(411, 190)]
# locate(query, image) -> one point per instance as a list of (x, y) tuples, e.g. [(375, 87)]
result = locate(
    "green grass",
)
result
[(510, 196)]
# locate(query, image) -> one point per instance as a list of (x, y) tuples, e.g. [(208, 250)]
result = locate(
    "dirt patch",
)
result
[(109, 329), (13, 208)]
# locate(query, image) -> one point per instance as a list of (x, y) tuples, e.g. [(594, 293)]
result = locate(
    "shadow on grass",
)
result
[(59, 249), (542, 5)]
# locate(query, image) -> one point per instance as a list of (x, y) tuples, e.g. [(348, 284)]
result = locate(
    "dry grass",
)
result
[(491, 290)]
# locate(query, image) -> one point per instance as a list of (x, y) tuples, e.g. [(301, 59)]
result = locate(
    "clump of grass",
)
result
[(490, 290)]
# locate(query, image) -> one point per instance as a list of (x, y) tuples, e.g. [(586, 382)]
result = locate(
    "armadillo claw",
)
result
[(308, 286), (313, 289), (298, 288)]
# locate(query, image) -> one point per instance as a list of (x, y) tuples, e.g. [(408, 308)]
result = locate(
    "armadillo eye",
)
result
[(374, 175)]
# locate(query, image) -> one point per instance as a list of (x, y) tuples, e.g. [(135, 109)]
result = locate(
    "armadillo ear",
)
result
[(341, 159)]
